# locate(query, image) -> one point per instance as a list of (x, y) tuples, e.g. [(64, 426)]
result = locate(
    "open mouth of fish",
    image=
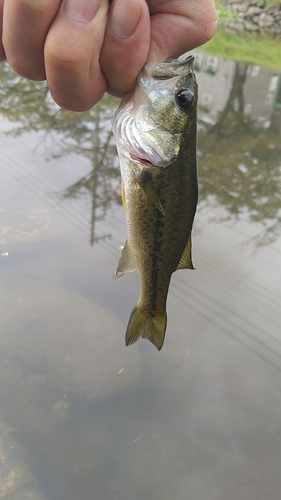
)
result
[(145, 161), (151, 159)]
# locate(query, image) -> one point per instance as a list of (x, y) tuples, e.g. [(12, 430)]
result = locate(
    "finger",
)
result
[(25, 27), (177, 27), (126, 45), (72, 52), (2, 51)]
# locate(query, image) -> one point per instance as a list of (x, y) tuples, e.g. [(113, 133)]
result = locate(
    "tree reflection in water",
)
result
[(29, 106), (239, 163)]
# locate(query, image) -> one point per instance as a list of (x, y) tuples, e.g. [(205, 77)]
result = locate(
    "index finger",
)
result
[(72, 52), (25, 27)]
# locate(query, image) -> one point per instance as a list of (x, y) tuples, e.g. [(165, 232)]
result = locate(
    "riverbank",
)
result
[(241, 35), (257, 18)]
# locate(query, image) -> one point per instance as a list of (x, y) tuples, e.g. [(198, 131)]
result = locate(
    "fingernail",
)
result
[(81, 10), (124, 18)]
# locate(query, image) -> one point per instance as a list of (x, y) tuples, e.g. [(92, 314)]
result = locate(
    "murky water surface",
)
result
[(83, 417)]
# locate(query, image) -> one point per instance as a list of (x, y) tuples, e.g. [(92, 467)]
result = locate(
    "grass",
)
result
[(263, 51), (221, 3), (251, 49)]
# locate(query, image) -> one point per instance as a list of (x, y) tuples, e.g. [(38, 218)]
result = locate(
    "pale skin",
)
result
[(84, 48)]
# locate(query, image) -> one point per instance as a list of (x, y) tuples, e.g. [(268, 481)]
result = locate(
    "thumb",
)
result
[(180, 27)]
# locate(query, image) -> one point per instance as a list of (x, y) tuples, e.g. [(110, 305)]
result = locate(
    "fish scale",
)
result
[(159, 196)]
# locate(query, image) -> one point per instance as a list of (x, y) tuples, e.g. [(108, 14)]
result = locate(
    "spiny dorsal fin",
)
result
[(186, 260), (126, 263)]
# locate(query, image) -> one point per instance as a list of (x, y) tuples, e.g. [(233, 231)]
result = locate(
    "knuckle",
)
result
[(66, 53)]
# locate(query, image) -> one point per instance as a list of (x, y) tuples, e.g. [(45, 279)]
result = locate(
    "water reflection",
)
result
[(29, 106), (239, 140), (51, 372), (251, 93), (96, 420)]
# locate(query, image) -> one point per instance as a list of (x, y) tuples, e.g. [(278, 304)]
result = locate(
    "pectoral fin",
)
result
[(145, 182), (186, 260), (150, 191), (126, 263)]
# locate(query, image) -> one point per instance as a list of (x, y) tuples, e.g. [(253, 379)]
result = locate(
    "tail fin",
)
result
[(142, 324)]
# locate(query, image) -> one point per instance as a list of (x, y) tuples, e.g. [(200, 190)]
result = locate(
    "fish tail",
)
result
[(142, 324)]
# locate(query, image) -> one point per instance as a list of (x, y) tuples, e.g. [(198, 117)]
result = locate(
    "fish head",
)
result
[(151, 123)]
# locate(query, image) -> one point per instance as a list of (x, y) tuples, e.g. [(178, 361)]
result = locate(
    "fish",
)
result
[(156, 136)]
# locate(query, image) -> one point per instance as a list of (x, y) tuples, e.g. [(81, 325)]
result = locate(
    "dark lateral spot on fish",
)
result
[(156, 260)]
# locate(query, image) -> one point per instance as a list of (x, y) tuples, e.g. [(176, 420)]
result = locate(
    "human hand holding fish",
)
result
[(87, 47)]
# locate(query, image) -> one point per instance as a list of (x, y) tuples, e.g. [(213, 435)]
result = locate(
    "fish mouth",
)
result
[(144, 161), (164, 71), (151, 159)]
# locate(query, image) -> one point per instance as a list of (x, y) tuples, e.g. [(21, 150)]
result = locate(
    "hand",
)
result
[(87, 47)]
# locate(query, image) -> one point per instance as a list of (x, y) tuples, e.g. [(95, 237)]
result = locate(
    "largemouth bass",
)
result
[(155, 130)]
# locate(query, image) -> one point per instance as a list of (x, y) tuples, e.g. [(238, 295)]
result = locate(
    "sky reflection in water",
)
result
[(92, 418)]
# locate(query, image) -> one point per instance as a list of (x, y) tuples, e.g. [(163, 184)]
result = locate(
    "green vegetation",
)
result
[(220, 4), (261, 51)]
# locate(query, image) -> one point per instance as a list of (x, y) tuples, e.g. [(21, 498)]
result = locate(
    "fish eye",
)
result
[(184, 99)]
